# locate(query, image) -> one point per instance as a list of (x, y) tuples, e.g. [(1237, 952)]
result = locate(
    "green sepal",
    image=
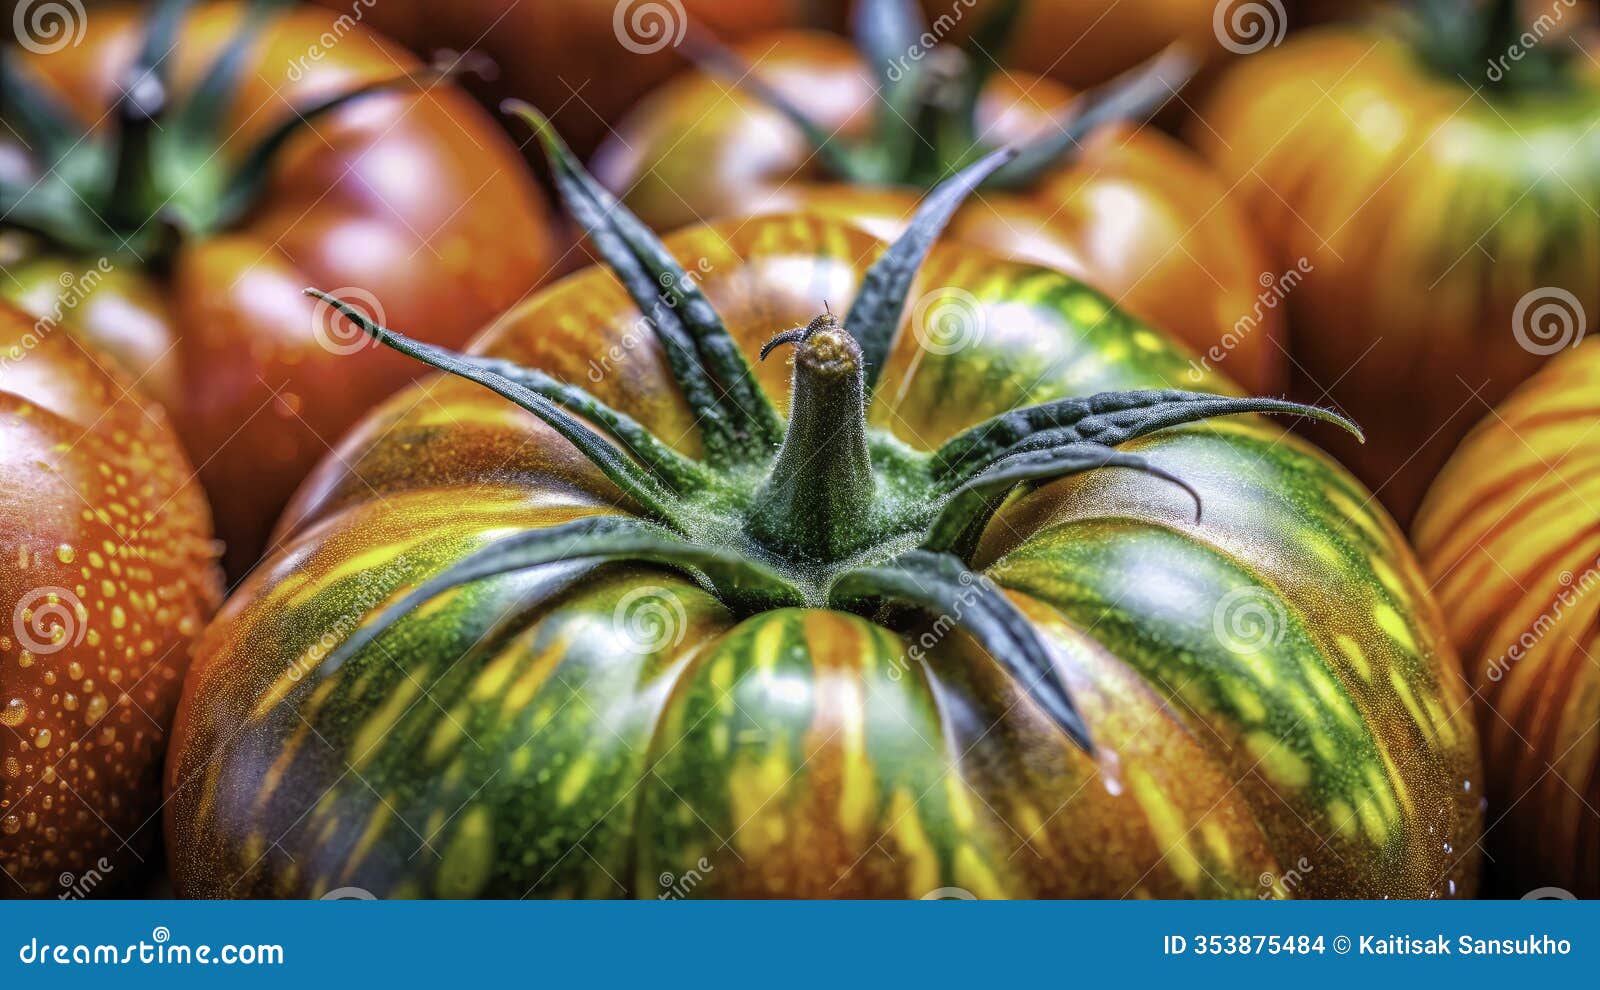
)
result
[(943, 585), (716, 58), (984, 49), (718, 379), (1108, 418), (739, 583), (961, 520), (875, 314), (1134, 96), (887, 33), (200, 118), (634, 481), (244, 187), (40, 116)]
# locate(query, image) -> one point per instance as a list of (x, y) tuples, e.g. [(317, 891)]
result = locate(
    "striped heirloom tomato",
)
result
[(1436, 171), (1081, 44), (589, 617), (591, 59), (1507, 535), (807, 121), (169, 183), (107, 575)]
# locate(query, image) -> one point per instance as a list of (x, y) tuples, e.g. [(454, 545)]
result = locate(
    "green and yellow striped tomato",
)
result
[(1507, 536), (1434, 179), (1274, 707)]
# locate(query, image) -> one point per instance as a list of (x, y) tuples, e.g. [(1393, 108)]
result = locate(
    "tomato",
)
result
[(1081, 44), (1507, 538), (107, 575), (131, 238), (1441, 196), (1131, 211), (696, 649), (584, 61)]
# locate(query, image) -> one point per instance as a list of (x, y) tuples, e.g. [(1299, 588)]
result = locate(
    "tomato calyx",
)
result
[(926, 124), (821, 510), (158, 176), (1492, 44)]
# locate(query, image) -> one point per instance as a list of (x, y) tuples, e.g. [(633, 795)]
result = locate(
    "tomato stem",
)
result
[(817, 499)]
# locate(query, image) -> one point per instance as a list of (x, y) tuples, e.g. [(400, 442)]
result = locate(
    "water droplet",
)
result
[(10, 824), (14, 713), (1110, 771), (65, 553), (42, 738), (95, 708), (75, 670)]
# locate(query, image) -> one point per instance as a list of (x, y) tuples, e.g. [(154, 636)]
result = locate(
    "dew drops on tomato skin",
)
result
[(14, 713)]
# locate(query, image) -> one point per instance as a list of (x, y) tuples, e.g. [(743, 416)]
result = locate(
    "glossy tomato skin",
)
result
[(1436, 223), (810, 752), (415, 200), (1135, 214), (582, 62), (1507, 538), (107, 576)]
